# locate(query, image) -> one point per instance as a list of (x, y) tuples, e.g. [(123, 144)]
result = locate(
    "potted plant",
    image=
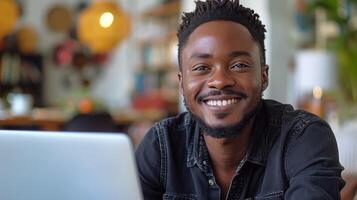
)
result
[(343, 14)]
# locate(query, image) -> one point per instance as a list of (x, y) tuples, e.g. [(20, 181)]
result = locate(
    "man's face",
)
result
[(222, 78)]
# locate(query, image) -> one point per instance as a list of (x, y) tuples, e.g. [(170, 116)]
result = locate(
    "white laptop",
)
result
[(67, 166)]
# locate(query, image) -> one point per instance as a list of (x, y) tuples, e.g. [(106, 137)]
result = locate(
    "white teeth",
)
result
[(224, 102), (221, 103)]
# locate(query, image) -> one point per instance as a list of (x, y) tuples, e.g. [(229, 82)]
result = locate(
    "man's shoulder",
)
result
[(293, 122), (293, 157), (286, 115)]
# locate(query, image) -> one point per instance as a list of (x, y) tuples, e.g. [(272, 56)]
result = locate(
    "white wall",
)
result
[(282, 50)]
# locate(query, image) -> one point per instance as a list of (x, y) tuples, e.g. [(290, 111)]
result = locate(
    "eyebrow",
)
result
[(201, 55), (239, 53), (233, 54)]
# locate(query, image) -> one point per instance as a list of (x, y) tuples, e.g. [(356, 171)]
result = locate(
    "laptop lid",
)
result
[(67, 166)]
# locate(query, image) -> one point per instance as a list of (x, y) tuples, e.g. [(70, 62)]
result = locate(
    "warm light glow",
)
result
[(317, 92), (106, 19), (102, 26), (9, 13)]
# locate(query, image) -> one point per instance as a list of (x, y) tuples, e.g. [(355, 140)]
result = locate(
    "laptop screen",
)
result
[(71, 166)]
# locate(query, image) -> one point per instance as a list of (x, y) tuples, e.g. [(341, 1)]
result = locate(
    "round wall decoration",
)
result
[(59, 18), (27, 39)]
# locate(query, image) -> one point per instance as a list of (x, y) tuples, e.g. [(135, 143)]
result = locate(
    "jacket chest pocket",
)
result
[(175, 196), (271, 196)]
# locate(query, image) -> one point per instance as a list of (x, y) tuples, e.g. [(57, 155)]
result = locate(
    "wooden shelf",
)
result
[(164, 10)]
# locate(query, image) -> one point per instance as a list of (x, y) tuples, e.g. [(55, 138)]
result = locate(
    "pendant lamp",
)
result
[(102, 26), (9, 13)]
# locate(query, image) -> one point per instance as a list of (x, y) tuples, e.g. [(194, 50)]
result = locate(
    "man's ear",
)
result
[(179, 76), (265, 77)]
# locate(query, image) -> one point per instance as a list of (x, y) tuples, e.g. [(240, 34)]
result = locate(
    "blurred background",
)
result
[(101, 65)]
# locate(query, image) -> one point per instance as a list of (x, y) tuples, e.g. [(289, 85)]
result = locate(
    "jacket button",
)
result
[(210, 182), (205, 162)]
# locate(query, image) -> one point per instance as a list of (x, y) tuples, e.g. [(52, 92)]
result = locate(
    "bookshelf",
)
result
[(23, 73), (156, 73)]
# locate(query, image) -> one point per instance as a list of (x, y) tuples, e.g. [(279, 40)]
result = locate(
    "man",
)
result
[(231, 144)]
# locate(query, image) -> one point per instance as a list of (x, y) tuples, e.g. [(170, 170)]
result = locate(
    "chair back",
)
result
[(91, 122)]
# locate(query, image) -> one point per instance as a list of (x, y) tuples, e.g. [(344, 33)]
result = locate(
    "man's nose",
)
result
[(221, 78)]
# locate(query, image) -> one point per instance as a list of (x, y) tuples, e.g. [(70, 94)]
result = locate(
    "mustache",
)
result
[(239, 94)]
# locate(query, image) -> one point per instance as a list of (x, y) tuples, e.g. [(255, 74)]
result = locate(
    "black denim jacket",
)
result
[(292, 155)]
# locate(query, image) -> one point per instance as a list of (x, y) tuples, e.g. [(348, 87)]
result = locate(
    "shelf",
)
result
[(164, 10), (26, 76), (166, 39), (157, 70)]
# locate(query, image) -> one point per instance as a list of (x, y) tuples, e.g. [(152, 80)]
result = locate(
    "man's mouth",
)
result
[(221, 99), (221, 103)]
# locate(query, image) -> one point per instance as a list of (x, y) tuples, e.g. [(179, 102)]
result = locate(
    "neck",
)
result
[(226, 153)]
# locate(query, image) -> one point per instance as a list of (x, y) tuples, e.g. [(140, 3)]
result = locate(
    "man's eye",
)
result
[(200, 68), (239, 66)]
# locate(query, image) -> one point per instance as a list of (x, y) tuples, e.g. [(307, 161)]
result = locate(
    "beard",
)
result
[(231, 131)]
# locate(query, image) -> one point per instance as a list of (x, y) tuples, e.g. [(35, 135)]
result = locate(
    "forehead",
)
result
[(217, 36)]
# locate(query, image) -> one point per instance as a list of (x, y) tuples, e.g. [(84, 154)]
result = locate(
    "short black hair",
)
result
[(228, 10)]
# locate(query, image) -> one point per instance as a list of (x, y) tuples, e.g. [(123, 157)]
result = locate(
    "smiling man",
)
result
[(232, 144)]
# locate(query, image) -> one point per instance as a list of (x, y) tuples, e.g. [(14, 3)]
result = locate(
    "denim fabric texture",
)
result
[(292, 155)]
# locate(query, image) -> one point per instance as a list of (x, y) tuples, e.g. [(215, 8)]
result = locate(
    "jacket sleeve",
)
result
[(312, 165), (148, 161)]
